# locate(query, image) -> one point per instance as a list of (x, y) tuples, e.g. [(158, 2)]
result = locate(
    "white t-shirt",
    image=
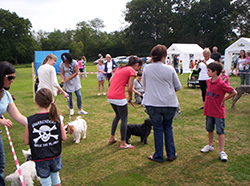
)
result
[(203, 73), (109, 67), (47, 78)]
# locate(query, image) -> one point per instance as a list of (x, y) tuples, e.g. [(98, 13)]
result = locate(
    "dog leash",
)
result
[(136, 109), (15, 157)]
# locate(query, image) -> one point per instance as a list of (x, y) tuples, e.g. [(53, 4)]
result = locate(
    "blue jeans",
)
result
[(2, 162), (78, 97), (244, 77), (162, 118)]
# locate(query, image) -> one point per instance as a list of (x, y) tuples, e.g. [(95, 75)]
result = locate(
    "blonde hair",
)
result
[(101, 60), (49, 56), (108, 55), (207, 51)]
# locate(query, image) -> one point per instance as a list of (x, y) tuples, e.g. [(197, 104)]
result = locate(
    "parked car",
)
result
[(120, 59), (145, 59), (96, 61)]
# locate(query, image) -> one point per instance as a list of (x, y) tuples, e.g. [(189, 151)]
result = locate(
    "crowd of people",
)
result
[(154, 88)]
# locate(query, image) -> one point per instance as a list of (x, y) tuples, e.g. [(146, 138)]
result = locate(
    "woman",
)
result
[(160, 83), (116, 97), (110, 67), (7, 76), (71, 81), (47, 76), (241, 68), (100, 76), (202, 69), (138, 88)]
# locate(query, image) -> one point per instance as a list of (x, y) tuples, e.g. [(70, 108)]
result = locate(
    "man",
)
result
[(176, 64), (216, 56)]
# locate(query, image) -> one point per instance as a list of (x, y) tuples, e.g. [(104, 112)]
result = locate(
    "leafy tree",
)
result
[(241, 17), (16, 42)]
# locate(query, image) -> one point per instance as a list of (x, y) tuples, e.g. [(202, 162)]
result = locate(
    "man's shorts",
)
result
[(220, 124)]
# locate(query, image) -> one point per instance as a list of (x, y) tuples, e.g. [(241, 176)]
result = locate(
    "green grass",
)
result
[(94, 162)]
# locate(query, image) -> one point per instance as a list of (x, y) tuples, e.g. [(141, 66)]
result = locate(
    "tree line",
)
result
[(205, 22)]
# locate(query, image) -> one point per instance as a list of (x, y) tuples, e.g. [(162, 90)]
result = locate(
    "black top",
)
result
[(216, 56), (44, 137)]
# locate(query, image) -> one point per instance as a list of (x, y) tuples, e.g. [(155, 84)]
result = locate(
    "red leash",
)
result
[(136, 109)]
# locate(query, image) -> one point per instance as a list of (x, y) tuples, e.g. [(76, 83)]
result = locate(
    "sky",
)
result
[(48, 15)]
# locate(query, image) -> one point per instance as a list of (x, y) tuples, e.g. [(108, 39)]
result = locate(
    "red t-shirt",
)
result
[(214, 96), (119, 82)]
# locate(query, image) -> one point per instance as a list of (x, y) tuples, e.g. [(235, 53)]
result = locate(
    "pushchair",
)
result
[(192, 81)]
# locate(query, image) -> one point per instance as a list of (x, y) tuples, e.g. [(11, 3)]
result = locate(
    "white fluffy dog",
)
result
[(28, 169), (77, 128)]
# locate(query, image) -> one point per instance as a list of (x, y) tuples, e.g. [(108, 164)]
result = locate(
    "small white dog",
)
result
[(77, 128), (28, 169)]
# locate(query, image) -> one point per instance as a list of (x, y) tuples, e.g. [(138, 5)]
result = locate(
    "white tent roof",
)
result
[(176, 48), (241, 44)]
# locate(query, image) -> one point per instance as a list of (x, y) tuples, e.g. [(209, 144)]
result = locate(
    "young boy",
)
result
[(214, 109)]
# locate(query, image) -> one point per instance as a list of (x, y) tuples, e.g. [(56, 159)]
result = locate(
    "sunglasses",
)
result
[(10, 77)]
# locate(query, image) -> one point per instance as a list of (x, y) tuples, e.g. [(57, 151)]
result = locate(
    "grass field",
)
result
[(94, 162)]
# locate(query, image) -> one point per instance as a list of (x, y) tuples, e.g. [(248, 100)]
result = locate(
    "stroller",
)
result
[(192, 80)]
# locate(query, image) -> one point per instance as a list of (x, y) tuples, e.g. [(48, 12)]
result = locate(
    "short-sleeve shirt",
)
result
[(119, 82), (5, 101), (73, 84), (216, 56), (44, 137), (138, 86), (214, 96), (203, 73)]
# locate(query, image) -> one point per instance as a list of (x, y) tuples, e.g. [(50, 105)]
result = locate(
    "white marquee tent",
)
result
[(234, 50), (186, 52)]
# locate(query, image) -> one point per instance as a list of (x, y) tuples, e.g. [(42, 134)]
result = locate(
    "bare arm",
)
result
[(130, 87), (63, 133), (16, 115), (62, 75), (26, 136), (230, 95)]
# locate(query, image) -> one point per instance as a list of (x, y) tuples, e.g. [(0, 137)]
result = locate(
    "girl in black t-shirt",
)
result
[(44, 133)]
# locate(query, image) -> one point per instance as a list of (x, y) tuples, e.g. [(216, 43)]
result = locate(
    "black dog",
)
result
[(142, 130)]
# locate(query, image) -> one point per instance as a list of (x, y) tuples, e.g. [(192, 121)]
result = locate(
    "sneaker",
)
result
[(98, 94), (223, 156), (82, 112), (104, 94), (201, 107), (207, 148), (71, 112)]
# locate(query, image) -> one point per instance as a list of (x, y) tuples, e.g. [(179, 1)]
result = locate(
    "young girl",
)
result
[(224, 77), (44, 133), (80, 65), (100, 76), (116, 97)]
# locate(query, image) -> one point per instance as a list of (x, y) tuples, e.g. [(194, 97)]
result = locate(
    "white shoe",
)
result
[(104, 94), (71, 112), (82, 112), (207, 148), (98, 94), (223, 156)]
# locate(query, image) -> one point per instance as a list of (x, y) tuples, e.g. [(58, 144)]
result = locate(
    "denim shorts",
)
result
[(220, 124), (43, 168)]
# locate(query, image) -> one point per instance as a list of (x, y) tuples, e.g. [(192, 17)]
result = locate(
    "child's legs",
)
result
[(99, 84), (102, 83), (220, 126), (210, 129), (55, 178), (46, 181)]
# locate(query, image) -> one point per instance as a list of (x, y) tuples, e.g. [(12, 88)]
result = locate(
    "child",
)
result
[(214, 109), (100, 76), (44, 133), (181, 69), (224, 77)]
